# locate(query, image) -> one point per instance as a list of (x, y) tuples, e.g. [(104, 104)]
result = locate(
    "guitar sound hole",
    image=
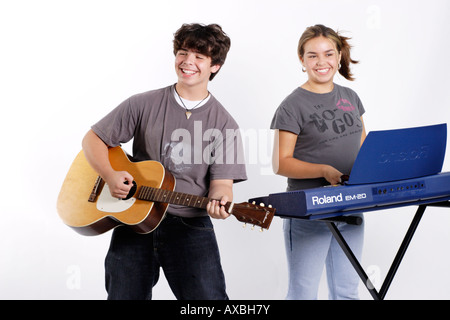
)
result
[(132, 191)]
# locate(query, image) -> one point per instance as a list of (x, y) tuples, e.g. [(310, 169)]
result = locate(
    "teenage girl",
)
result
[(318, 132)]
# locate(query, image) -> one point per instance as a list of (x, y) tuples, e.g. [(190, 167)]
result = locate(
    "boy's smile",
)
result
[(193, 69)]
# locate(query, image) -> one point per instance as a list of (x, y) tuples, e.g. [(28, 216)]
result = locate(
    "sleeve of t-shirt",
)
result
[(118, 126), (353, 96), (285, 119), (360, 106)]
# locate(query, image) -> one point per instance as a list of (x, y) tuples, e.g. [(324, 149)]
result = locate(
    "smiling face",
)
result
[(193, 69), (321, 61)]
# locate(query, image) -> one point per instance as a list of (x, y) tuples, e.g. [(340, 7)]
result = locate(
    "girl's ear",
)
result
[(303, 64), (302, 61)]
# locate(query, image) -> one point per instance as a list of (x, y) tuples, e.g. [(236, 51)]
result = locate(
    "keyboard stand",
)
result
[(379, 295)]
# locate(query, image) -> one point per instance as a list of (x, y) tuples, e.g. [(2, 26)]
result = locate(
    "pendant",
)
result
[(188, 114)]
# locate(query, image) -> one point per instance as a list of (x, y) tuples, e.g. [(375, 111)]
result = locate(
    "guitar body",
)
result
[(105, 212)]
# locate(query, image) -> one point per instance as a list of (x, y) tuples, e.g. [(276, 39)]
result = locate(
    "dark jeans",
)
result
[(185, 248)]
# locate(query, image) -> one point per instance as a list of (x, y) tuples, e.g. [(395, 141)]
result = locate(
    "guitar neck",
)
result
[(172, 197)]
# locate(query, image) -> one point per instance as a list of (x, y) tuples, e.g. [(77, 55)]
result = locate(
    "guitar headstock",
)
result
[(257, 215)]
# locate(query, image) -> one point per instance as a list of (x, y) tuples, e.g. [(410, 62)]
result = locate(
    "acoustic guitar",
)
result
[(86, 205)]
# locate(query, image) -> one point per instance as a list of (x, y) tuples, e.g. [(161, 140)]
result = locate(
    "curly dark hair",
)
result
[(209, 40)]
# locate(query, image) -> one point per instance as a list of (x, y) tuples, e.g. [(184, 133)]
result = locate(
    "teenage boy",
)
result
[(186, 129)]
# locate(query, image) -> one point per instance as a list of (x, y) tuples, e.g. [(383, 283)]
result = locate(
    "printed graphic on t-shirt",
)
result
[(341, 120), (345, 105)]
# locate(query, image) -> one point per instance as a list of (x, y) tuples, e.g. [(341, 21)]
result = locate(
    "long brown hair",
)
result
[(340, 41)]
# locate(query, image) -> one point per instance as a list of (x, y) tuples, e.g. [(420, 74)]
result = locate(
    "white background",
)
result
[(65, 64)]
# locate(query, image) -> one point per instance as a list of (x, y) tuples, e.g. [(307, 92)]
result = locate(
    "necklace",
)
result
[(188, 111)]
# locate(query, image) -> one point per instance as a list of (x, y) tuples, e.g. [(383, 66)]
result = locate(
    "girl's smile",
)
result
[(321, 62)]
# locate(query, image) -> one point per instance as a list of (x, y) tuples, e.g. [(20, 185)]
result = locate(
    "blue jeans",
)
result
[(185, 248), (309, 246)]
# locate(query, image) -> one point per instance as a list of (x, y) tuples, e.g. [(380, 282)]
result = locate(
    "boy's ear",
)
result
[(215, 68)]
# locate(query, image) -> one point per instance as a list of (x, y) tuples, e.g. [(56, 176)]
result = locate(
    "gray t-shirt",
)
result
[(205, 147), (328, 126)]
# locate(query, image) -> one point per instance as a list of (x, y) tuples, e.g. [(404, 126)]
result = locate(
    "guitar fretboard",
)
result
[(172, 197)]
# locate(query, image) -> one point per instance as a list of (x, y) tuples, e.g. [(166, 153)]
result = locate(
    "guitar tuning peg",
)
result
[(244, 225), (261, 204), (253, 228), (254, 202), (261, 230), (270, 206)]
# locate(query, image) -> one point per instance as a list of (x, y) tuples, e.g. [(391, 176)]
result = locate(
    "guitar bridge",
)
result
[(96, 189)]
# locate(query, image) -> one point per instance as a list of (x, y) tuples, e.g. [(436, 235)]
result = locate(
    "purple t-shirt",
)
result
[(328, 126), (205, 147)]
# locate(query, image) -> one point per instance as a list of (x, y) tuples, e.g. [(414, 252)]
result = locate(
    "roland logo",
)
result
[(326, 199), (337, 198)]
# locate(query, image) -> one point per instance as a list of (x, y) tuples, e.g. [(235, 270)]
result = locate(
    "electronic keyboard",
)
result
[(393, 168)]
